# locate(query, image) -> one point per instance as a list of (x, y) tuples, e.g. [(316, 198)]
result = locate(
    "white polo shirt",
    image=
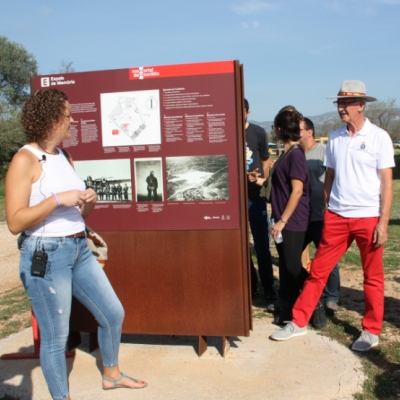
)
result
[(356, 189)]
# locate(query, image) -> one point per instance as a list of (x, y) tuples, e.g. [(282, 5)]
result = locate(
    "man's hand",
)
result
[(380, 234), (253, 175)]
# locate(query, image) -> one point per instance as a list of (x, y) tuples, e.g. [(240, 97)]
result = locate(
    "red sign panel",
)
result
[(160, 153)]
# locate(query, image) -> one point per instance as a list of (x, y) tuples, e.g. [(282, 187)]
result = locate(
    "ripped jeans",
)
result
[(71, 271)]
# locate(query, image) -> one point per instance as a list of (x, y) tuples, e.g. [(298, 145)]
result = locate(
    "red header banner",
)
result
[(167, 71)]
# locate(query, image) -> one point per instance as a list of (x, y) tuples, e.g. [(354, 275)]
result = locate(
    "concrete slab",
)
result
[(307, 367)]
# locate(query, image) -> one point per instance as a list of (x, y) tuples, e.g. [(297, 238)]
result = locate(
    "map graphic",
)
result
[(131, 118)]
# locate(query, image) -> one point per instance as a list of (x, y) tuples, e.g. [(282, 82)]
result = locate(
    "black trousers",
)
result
[(292, 275)]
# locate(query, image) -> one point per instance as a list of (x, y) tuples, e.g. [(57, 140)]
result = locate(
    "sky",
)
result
[(293, 51)]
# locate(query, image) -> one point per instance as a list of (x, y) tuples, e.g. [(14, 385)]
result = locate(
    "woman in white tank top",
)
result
[(47, 202)]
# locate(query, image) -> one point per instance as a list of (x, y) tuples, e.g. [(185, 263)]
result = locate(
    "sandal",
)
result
[(118, 385)]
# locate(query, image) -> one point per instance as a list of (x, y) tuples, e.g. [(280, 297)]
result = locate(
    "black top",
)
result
[(256, 149)]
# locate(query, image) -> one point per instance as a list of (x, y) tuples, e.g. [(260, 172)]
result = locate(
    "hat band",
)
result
[(351, 94)]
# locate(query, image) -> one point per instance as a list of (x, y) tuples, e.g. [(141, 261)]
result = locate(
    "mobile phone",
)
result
[(39, 262)]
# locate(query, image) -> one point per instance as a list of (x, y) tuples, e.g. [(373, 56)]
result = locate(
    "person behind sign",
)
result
[(47, 202), (257, 159)]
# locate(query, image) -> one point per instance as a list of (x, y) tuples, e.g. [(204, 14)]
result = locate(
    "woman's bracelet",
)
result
[(284, 221), (57, 199)]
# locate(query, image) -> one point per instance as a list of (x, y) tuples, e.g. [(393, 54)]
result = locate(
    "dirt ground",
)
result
[(9, 255)]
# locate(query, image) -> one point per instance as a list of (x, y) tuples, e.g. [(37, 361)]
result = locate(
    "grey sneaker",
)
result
[(365, 342), (289, 331)]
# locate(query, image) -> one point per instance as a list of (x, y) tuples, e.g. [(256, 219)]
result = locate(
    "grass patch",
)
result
[(14, 312)]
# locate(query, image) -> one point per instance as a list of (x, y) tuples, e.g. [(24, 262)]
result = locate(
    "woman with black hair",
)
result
[(290, 200)]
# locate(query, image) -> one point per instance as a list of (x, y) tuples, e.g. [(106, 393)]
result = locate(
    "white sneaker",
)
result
[(365, 342), (288, 331)]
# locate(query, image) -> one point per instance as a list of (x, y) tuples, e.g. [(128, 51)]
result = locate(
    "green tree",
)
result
[(11, 135), (16, 68)]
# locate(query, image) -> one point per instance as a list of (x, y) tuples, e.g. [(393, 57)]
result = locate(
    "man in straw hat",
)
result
[(358, 194)]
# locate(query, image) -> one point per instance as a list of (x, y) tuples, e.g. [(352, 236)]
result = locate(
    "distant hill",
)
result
[(318, 120), (328, 117)]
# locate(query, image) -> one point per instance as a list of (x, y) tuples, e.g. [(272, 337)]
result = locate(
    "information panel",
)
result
[(158, 145)]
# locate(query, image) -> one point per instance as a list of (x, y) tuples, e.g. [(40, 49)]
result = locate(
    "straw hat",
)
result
[(353, 89)]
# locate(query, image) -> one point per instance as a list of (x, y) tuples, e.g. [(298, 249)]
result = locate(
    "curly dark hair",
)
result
[(288, 123), (40, 112)]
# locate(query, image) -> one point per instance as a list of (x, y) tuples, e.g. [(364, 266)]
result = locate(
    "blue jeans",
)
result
[(71, 271), (258, 219)]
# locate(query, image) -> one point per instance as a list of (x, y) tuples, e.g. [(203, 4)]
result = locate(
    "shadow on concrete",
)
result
[(19, 373), (173, 340)]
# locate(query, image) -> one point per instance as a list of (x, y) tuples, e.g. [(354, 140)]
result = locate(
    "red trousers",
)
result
[(337, 235)]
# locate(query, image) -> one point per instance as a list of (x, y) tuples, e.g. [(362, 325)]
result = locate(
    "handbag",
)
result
[(266, 189), (265, 192), (97, 246), (96, 243)]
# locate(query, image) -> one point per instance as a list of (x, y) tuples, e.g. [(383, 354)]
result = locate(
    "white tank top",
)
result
[(57, 176)]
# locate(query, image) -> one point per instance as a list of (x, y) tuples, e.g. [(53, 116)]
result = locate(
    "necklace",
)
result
[(55, 152)]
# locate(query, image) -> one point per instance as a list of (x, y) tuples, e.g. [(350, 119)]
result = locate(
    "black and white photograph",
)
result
[(110, 179), (148, 180), (197, 178)]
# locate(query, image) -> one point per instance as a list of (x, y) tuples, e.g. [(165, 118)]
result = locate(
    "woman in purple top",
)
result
[(290, 200)]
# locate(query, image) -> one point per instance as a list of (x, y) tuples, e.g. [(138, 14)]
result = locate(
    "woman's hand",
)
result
[(90, 196), (271, 163), (78, 198), (72, 198), (90, 201), (276, 229), (260, 181)]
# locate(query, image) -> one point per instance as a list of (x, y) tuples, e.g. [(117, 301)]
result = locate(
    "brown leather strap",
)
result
[(76, 235)]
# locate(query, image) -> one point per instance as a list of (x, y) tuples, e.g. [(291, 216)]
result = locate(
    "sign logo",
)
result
[(45, 82), (143, 73)]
